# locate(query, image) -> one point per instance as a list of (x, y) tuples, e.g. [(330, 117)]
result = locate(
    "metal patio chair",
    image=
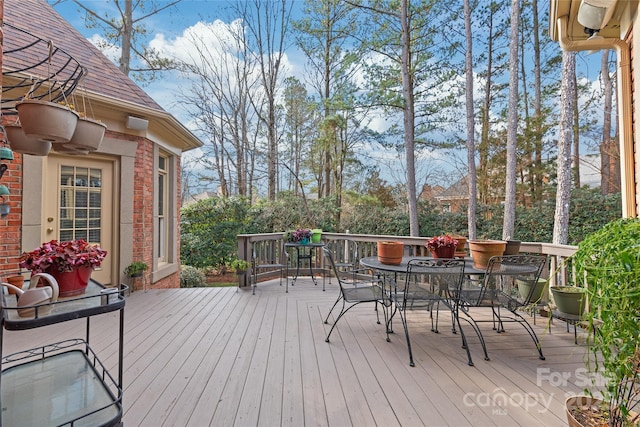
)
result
[(345, 258), (497, 289), (427, 284), (269, 256), (354, 292)]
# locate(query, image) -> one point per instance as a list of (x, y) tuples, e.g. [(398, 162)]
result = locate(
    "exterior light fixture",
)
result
[(594, 14)]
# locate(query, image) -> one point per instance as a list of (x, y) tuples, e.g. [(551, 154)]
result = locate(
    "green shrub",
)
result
[(209, 228), (191, 277)]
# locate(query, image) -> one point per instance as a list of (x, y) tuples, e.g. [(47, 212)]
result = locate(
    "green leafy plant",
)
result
[(239, 265), (135, 269), (609, 260), (191, 277)]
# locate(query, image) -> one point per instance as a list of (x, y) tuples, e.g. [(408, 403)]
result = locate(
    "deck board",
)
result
[(217, 356)]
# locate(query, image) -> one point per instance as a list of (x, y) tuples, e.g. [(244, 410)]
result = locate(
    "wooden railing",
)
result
[(558, 272)]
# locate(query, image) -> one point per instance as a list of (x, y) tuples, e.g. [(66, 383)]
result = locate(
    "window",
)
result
[(80, 203), (163, 209)]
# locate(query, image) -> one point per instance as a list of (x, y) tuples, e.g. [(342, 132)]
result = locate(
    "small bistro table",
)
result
[(304, 251)]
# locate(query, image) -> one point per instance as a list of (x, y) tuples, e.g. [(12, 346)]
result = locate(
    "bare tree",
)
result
[(126, 29), (268, 23), (221, 101)]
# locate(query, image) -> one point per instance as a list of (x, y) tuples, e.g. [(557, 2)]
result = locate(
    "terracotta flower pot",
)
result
[(483, 250), (390, 252), (583, 404), (17, 281), (47, 121), (462, 243)]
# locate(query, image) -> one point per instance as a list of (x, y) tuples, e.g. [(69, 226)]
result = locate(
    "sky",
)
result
[(167, 34)]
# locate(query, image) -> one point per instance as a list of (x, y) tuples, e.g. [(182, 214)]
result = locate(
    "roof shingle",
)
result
[(39, 18)]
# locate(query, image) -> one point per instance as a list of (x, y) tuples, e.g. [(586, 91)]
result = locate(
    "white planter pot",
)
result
[(87, 136), (47, 121), (21, 143)]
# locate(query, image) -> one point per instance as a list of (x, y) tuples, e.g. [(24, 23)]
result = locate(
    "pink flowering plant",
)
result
[(297, 235), (445, 241), (63, 256)]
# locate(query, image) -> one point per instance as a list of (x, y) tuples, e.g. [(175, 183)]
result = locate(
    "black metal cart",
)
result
[(62, 383)]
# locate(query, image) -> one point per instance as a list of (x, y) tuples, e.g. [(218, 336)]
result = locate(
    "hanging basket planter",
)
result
[(21, 143), (87, 136), (47, 121)]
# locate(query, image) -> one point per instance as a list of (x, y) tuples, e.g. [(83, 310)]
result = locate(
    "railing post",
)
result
[(244, 253)]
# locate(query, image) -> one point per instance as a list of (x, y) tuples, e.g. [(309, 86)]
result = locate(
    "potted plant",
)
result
[(69, 262), (569, 299), (47, 121), (88, 135), (240, 266), (135, 269), (442, 246), (300, 235), (461, 249), (609, 260), (21, 143)]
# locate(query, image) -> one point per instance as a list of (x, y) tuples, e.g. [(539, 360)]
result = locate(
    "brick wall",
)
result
[(10, 226), (142, 239)]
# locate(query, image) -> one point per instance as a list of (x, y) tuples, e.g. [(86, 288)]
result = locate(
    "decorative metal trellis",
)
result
[(36, 68)]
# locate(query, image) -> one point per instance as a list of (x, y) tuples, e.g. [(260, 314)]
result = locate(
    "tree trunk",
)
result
[(471, 146), (609, 154), (576, 135), (408, 111), (512, 127), (538, 172), (127, 32), (563, 195)]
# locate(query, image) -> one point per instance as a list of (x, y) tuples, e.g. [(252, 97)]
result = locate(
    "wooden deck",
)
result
[(214, 356)]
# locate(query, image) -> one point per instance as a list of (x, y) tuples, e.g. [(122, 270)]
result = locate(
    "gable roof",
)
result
[(40, 19), (103, 79)]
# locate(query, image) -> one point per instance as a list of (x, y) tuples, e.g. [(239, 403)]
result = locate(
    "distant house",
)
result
[(130, 204), (200, 196)]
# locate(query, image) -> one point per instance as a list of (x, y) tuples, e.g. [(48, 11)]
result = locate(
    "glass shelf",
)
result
[(88, 304), (59, 384)]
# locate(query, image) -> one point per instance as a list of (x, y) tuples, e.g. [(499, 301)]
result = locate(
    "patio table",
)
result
[(374, 263), (304, 251), (387, 270)]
